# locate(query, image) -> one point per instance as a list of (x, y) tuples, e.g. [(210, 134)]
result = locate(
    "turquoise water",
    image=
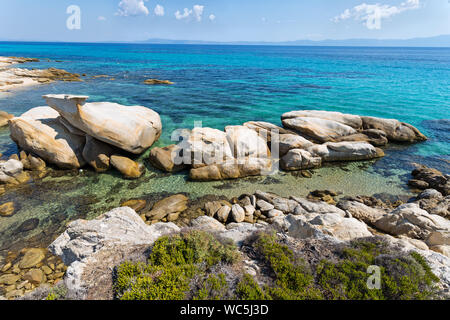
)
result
[(227, 85)]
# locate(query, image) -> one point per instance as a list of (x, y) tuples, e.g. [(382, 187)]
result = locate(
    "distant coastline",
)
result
[(442, 41)]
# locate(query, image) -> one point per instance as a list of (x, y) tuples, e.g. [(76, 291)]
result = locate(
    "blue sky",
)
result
[(224, 20)]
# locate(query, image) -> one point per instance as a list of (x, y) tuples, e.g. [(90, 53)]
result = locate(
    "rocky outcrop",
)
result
[(335, 127), (92, 248), (131, 128), (425, 178), (156, 81), (411, 221), (39, 131), (361, 212)]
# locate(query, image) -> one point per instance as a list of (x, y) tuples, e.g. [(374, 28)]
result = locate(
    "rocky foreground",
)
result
[(315, 228)]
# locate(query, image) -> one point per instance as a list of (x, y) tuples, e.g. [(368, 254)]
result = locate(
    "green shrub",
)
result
[(172, 264), (248, 289), (213, 288)]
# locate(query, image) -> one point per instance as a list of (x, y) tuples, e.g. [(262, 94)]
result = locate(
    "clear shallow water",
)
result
[(226, 85)]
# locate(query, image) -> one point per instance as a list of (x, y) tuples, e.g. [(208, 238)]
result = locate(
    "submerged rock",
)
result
[(171, 205), (131, 128), (156, 81), (7, 209)]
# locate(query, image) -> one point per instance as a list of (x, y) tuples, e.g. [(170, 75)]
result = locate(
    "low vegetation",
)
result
[(196, 265)]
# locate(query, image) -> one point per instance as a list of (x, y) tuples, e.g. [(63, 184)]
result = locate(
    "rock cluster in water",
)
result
[(307, 139), (71, 133)]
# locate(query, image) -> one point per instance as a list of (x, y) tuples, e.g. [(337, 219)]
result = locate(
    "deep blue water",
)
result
[(228, 85), (223, 85)]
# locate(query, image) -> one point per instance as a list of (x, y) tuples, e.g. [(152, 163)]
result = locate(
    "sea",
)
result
[(221, 85)]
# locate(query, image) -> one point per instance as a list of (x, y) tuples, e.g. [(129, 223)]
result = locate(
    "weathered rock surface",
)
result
[(361, 212), (7, 209), (11, 172), (431, 178), (298, 159), (353, 121), (131, 128), (321, 130), (39, 131), (411, 221), (395, 130), (346, 151), (245, 143), (206, 223), (92, 248)]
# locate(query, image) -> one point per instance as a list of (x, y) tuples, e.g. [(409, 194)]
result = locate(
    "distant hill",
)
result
[(438, 41)]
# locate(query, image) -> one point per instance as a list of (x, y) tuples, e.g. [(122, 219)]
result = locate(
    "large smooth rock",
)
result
[(278, 203), (351, 120), (394, 129), (411, 221), (167, 206), (206, 146), (298, 159), (321, 130), (97, 154), (92, 248), (131, 128), (322, 226), (39, 131), (266, 129), (432, 178), (346, 151), (245, 142), (287, 142)]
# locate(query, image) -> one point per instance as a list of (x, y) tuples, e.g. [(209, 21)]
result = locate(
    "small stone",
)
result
[(22, 284), (9, 279), (238, 213), (173, 216), (264, 206), (212, 208), (14, 157), (35, 276), (274, 213), (28, 225), (249, 210), (223, 213), (46, 270), (7, 209), (6, 267), (14, 294), (52, 266), (16, 269)]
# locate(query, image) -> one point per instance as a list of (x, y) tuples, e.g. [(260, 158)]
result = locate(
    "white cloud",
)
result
[(132, 8), (159, 10), (372, 14), (101, 18), (212, 17), (187, 13), (196, 12)]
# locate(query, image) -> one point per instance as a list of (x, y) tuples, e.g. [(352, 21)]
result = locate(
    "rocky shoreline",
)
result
[(70, 133)]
